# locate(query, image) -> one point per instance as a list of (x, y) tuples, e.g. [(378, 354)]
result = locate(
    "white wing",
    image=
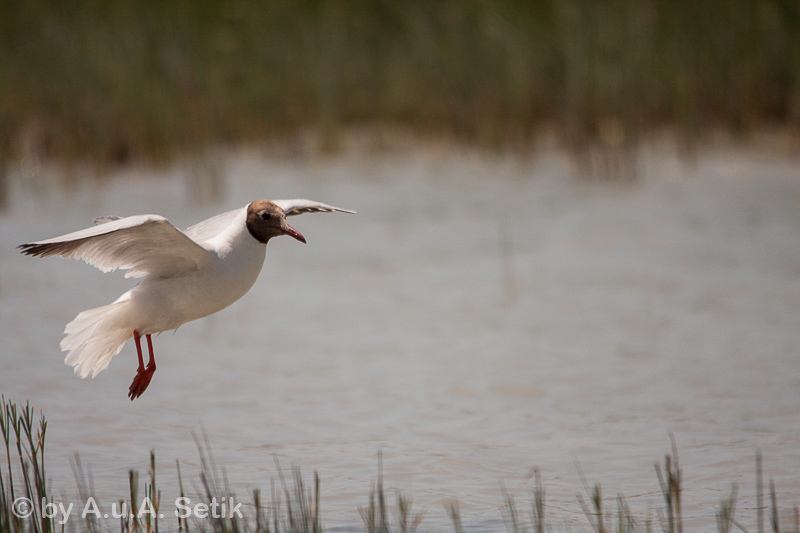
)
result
[(143, 244), (298, 206), (211, 227)]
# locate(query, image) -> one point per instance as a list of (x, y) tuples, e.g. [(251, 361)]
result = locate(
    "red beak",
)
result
[(291, 232)]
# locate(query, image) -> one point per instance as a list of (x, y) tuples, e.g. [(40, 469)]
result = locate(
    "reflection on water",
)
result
[(477, 318)]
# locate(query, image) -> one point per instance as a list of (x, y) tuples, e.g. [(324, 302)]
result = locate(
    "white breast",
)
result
[(161, 304)]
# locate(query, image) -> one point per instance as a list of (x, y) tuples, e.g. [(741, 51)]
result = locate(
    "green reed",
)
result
[(116, 81), (295, 507)]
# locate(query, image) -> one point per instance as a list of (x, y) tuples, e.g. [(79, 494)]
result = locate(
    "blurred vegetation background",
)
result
[(112, 81)]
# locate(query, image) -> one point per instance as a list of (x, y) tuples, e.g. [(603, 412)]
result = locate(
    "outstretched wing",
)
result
[(142, 244), (297, 207), (210, 228)]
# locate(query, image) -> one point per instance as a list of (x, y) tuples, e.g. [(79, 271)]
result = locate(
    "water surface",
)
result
[(479, 317)]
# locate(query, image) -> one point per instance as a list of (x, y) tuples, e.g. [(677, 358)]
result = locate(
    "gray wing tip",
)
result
[(33, 249), (325, 209), (300, 206), (321, 209), (47, 249), (104, 219)]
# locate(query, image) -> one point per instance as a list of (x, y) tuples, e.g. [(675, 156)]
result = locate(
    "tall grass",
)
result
[(670, 479), (296, 508), (18, 428), (114, 81)]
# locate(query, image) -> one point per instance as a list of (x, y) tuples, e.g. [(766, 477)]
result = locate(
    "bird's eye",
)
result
[(264, 215)]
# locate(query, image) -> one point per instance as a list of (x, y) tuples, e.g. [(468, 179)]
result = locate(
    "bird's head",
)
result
[(266, 220)]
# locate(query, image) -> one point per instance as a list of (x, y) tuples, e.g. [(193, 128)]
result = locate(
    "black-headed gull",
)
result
[(189, 275)]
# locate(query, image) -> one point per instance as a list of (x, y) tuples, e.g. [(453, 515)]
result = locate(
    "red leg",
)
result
[(143, 375), (137, 340), (152, 362)]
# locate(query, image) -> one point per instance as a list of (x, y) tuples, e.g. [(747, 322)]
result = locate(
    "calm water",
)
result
[(477, 318)]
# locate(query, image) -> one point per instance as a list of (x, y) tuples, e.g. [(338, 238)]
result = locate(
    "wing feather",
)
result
[(300, 206), (142, 244), (210, 228)]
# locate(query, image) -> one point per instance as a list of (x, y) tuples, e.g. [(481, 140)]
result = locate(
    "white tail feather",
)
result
[(93, 338)]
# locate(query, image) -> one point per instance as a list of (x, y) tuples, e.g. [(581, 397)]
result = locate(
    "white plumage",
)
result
[(187, 275)]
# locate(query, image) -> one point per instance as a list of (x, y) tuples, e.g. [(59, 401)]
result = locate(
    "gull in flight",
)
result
[(187, 275)]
